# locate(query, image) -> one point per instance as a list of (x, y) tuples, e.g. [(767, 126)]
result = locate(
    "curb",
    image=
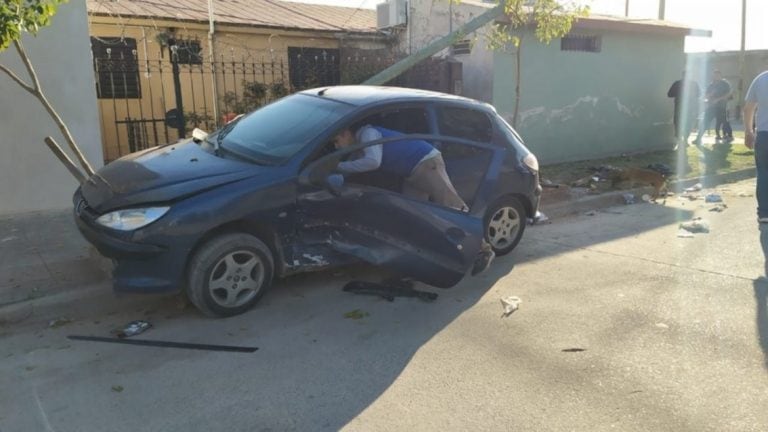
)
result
[(580, 204)]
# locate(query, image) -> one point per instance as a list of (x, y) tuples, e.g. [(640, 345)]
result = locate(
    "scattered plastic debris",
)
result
[(356, 314), (59, 322), (629, 198), (541, 218), (590, 213), (646, 198), (510, 305), (713, 198), (718, 208), (117, 388), (662, 325), (695, 188), (681, 233), (697, 225), (133, 328)]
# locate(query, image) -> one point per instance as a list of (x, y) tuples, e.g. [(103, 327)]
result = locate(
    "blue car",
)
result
[(222, 215)]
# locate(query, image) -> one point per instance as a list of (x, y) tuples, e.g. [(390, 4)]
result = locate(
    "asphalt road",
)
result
[(624, 327)]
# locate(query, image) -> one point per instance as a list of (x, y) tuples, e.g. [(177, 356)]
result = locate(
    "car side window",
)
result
[(465, 123)]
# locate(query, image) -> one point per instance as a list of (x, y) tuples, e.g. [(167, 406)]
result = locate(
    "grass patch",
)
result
[(696, 162)]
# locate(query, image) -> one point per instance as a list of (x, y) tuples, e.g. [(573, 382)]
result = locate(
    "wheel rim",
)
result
[(503, 227), (236, 279)]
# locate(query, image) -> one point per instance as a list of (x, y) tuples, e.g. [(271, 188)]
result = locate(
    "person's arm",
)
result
[(371, 159), (749, 123)]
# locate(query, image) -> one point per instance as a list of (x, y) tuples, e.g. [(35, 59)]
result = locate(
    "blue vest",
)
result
[(400, 157)]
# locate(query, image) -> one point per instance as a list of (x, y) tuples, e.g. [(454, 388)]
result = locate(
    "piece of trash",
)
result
[(59, 322), (646, 198), (629, 198), (165, 344), (590, 213), (7, 239), (356, 314), (662, 325), (510, 305), (117, 388), (718, 208), (133, 328), (681, 233), (574, 350), (541, 218), (713, 198), (745, 194), (694, 188), (697, 225)]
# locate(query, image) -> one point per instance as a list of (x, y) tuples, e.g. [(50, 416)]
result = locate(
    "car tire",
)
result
[(504, 224), (229, 274)]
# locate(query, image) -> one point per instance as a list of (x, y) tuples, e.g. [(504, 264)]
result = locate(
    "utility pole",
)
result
[(742, 57), (662, 9)]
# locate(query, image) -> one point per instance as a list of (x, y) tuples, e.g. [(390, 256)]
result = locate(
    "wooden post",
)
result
[(403, 65), (56, 149)]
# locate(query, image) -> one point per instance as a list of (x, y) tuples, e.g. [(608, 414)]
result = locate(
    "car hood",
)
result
[(160, 175)]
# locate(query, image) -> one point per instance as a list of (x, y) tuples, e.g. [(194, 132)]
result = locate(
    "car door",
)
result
[(423, 240)]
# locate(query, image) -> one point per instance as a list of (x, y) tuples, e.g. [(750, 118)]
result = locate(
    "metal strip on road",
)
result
[(165, 344)]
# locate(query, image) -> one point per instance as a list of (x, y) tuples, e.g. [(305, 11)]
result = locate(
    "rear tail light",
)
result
[(531, 162)]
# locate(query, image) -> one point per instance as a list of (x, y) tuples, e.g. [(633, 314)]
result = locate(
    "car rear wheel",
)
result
[(229, 274), (504, 223)]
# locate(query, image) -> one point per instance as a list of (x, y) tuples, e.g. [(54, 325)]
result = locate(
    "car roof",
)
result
[(360, 95)]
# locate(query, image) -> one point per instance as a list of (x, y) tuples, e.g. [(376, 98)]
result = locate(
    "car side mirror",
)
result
[(334, 183), (199, 135)]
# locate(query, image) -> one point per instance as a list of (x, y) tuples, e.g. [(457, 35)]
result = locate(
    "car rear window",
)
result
[(465, 123), (276, 132)]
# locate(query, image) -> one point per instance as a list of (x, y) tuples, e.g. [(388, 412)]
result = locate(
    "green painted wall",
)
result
[(580, 105)]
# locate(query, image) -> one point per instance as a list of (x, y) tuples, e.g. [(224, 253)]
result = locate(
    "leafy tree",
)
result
[(549, 19), (19, 17)]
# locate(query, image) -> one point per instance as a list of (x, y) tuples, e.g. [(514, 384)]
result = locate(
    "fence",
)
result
[(144, 103)]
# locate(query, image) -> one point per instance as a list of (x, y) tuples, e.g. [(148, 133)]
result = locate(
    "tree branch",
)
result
[(27, 64), (16, 78)]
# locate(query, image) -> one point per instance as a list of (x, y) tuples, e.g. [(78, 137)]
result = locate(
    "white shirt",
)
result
[(371, 159)]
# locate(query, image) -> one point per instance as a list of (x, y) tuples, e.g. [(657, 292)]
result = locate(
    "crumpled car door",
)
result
[(430, 243)]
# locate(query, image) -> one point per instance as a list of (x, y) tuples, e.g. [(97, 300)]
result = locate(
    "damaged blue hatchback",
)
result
[(222, 215)]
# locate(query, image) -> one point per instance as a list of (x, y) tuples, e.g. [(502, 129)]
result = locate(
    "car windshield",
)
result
[(276, 132)]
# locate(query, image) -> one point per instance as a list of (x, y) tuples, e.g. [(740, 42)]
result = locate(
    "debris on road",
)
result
[(629, 198), (569, 350), (133, 328), (662, 325), (718, 208), (510, 305), (590, 213), (681, 233), (713, 198), (165, 344), (117, 388), (646, 198), (696, 225), (745, 194), (59, 322), (389, 289), (7, 239), (356, 314), (695, 188)]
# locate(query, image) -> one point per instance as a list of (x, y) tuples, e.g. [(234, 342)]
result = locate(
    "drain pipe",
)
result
[(212, 58)]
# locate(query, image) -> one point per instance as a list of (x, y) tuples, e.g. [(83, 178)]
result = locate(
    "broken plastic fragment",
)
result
[(684, 234), (697, 225), (133, 328), (694, 188), (510, 305), (713, 198)]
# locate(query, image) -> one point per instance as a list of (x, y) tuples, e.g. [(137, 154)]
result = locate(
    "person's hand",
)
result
[(749, 139)]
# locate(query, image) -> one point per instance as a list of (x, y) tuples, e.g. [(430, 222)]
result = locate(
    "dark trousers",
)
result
[(717, 113), (761, 164)]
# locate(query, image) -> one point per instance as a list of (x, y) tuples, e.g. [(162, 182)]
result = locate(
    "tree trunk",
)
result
[(36, 90)]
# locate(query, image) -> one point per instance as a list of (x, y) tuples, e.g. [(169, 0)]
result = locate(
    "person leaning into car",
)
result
[(417, 161)]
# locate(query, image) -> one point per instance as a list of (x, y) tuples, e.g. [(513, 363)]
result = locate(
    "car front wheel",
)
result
[(504, 223), (229, 274)]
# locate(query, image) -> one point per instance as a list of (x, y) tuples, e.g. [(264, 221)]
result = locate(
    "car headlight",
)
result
[(131, 219), (531, 162)]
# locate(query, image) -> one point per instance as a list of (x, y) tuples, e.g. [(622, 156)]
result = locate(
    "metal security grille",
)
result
[(581, 43)]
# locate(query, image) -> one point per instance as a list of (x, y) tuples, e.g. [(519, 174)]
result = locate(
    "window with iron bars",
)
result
[(117, 68), (581, 43), (188, 52)]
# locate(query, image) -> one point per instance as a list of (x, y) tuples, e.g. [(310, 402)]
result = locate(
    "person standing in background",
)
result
[(686, 98)]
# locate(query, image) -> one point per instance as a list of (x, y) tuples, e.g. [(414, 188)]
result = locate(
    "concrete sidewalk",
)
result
[(46, 266)]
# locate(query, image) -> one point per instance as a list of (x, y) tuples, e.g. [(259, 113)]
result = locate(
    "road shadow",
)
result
[(761, 315), (715, 158)]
